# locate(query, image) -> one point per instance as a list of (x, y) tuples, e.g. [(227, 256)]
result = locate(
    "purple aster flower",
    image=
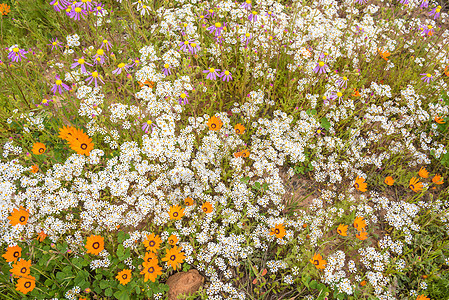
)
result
[(246, 38), (405, 2), (99, 57), (247, 5), (93, 77), (424, 4), (119, 68), (194, 48), (185, 45), (335, 95), (253, 16), (106, 44), (427, 77), (436, 12), (77, 12), (166, 70), (59, 5), (320, 67), (361, 1), (427, 30), (16, 54), (212, 73), (269, 14), (210, 13), (86, 4), (183, 98), (226, 75), (81, 62), (342, 82), (44, 102), (54, 43), (59, 85), (217, 27), (147, 126), (98, 10)]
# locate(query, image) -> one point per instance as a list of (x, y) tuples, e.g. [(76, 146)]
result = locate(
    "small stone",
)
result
[(184, 283)]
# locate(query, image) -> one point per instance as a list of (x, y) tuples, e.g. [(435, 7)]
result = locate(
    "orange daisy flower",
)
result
[(172, 239), (360, 184), (415, 185), (359, 223), (95, 244), (389, 180), (19, 216), (437, 179), (124, 276), (34, 169), (362, 235), (245, 153), (174, 257), (342, 230), (26, 284), (151, 270), (176, 212), (214, 123), (188, 201), (422, 297), (384, 54), (38, 148), (12, 253), (239, 128), (318, 261), (439, 120), (152, 243), (356, 93), (4, 9), (41, 236), (207, 207), (423, 173), (21, 268), (150, 257), (278, 231)]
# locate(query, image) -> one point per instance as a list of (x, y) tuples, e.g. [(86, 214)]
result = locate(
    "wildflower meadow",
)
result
[(276, 149)]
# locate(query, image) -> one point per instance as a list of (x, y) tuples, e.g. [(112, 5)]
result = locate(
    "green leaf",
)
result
[(104, 284), (121, 295), (108, 292), (121, 237), (311, 112), (313, 284), (325, 123), (120, 251), (244, 179)]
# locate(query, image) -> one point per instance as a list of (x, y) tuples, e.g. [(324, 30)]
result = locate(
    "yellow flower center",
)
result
[(247, 34), (339, 94), (226, 73), (149, 122), (248, 1), (95, 74), (121, 65), (321, 63), (99, 8), (345, 78), (193, 44), (15, 49), (78, 9), (105, 41), (269, 12), (144, 6), (81, 61), (166, 66), (45, 100), (428, 75), (100, 52), (186, 43), (58, 82), (183, 95), (437, 10), (54, 43), (211, 11), (218, 24), (212, 70), (254, 12), (324, 97), (429, 26), (185, 25)]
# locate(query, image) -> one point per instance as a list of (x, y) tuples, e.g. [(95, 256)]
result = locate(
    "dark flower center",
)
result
[(16, 254), (22, 219), (152, 243), (356, 185), (412, 186), (124, 276), (213, 125), (237, 130), (277, 231), (316, 262), (23, 270), (175, 214), (205, 209), (41, 150), (150, 270), (84, 146), (96, 245), (173, 257), (27, 284)]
